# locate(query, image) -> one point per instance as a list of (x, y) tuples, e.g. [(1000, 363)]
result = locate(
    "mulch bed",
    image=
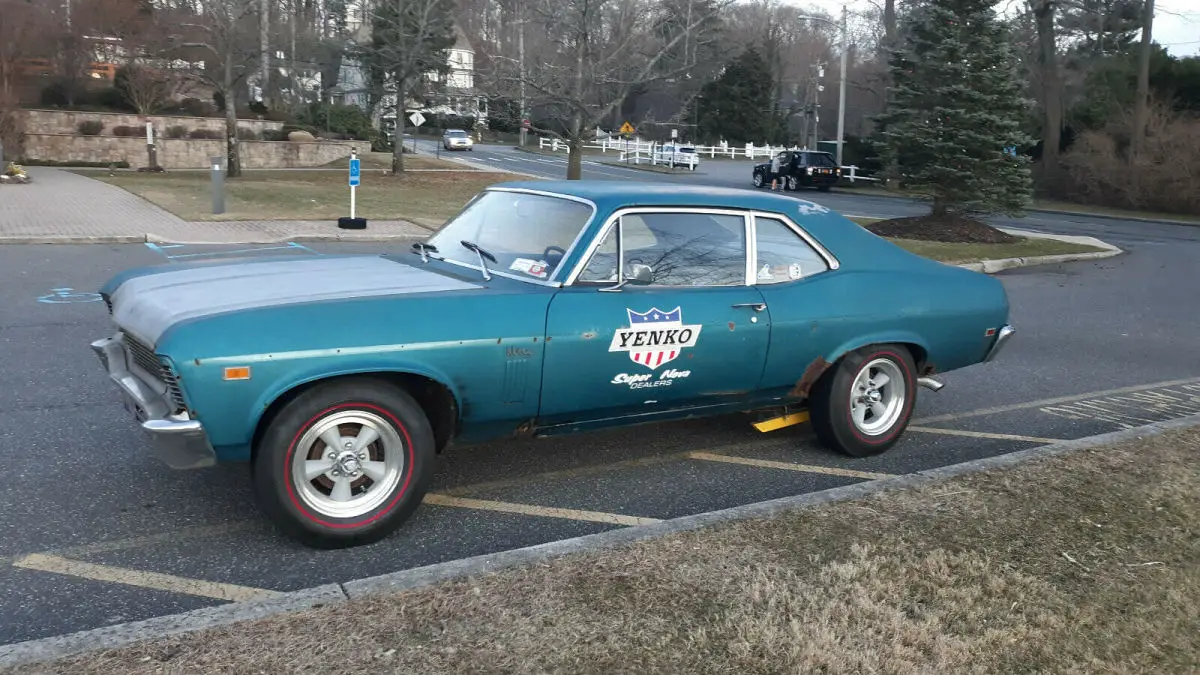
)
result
[(948, 228)]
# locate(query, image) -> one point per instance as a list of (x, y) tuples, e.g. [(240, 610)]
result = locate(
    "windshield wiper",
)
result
[(472, 246), (422, 248)]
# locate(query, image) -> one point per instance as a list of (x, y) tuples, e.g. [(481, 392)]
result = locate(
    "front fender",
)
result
[(290, 380)]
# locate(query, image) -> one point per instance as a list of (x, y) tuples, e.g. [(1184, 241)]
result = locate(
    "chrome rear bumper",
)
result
[(179, 441), (1002, 338)]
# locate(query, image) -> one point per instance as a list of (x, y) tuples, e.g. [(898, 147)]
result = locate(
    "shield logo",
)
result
[(654, 337)]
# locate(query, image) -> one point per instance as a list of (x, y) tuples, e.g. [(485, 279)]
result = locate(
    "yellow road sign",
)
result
[(627, 128)]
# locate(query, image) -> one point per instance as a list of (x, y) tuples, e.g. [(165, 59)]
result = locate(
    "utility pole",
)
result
[(841, 126), (264, 35), (521, 59)]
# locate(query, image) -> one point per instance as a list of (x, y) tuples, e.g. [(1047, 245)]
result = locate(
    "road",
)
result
[(98, 532)]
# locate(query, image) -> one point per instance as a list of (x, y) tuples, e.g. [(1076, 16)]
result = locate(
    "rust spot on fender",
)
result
[(811, 374), (730, 325), (524, 430)]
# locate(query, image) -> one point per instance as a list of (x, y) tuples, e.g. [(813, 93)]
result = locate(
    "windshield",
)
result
[(820, 159), (455, 132), (528, 234)]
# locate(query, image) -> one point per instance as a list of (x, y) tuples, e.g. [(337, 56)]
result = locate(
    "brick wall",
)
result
[(67, 122), (185, 153)]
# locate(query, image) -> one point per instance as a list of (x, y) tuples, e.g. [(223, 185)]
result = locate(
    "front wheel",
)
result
[(758, 179), (344, 464), (863, 406)]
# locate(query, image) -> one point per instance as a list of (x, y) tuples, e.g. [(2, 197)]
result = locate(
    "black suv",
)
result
[(800, 168)]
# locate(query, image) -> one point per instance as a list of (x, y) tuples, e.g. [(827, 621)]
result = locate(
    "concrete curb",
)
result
[(1001, 264), (1058, 212), (74, 239), (47, 649)]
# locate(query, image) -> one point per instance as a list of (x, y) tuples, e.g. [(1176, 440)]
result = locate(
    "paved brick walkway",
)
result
[(60, 206)]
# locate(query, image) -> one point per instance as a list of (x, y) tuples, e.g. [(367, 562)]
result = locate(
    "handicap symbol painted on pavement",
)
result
[(65, 295)]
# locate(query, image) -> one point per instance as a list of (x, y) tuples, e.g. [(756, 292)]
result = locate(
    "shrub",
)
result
[(125, 130), (1165, 178), (247, 134), (90, 127), (176, 131), (205, 133), (274, 135)]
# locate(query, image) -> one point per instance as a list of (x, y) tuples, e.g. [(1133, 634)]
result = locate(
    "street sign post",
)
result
[(355, 178), (417, 119)]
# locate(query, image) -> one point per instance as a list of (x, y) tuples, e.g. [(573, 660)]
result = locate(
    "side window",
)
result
[(681, 249), (782, 254)]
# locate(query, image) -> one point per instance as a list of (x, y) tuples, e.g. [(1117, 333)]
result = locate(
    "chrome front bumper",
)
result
[(180, 442), (1001, 339)]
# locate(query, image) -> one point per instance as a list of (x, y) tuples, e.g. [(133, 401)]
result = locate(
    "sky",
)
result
[(1176, 22)]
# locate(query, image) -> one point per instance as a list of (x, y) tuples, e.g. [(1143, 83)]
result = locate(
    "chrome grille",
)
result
[(145, 359)]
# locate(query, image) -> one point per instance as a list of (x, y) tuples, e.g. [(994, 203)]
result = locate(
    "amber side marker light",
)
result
[(237, 373)]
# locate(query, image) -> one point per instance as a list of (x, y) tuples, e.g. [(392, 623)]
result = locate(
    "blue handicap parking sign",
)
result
[(355, 172)]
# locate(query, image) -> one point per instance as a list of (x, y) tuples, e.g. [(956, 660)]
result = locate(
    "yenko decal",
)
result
[(654, 337)]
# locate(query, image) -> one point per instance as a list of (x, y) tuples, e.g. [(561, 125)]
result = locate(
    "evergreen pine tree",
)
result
[(954, 120), (737, 105)]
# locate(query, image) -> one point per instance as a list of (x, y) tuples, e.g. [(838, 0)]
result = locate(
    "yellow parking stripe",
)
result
[(532, 510), (805, 468), (983, 434), (154, 580)]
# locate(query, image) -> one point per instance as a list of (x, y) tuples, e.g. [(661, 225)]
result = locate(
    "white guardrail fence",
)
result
[(637, 151)]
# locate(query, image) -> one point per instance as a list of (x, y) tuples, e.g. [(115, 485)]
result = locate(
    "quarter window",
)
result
[(681, 249), (782, 254)]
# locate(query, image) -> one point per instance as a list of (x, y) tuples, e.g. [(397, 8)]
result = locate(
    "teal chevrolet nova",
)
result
[(541, 308)]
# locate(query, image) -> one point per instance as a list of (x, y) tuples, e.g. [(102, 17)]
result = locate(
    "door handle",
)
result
[(756, 306)]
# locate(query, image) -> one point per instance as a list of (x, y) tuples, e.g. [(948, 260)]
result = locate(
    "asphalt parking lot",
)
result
[(98, 532)]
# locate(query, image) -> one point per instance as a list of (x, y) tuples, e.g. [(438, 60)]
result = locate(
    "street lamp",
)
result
[(841, 127)]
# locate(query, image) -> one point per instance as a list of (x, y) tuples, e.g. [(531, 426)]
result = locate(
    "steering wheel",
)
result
[(546, 253)]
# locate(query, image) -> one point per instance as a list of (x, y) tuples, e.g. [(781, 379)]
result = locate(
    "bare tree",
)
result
[(1138, 132), (148, 88), (409, 39), (1052, 89), (21, 33), (225, 30), (587, 56)]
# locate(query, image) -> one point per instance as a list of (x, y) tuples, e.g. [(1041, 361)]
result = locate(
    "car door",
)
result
[(691, 333), (805, 300)]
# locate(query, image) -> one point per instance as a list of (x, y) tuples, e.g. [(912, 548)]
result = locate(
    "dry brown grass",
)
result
[(426, 198), (1083, 564)]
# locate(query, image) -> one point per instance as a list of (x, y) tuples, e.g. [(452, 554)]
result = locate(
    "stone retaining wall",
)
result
[(67, 122), (185, 153)]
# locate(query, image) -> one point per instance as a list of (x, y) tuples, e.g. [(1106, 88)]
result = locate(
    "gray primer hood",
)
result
[(147, 306)]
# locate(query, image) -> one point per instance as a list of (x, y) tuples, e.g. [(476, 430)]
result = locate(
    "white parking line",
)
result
[(534, 510), (787, 466), (153, 580), (984, 434), (1050, 401)]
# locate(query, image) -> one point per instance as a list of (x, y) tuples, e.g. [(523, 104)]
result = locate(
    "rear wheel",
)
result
[(344, 464), (863, 406), (791, 184)]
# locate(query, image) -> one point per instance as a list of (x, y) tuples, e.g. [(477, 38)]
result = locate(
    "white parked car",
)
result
[(677, 155)]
